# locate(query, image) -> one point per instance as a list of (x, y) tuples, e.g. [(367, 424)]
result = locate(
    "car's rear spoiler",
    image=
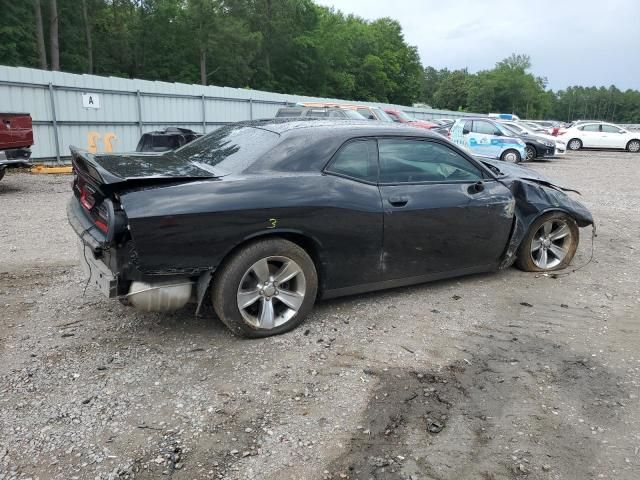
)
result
[(84, 162), (108, 171)]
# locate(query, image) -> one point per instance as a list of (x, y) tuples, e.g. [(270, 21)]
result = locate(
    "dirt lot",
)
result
[(503, 376)]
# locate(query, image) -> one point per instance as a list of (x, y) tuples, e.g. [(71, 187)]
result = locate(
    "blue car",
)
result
[(485, 138)]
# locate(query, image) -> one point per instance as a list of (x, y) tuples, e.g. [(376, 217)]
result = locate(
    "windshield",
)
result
[(508, 131), (353, 115), (404, 116), (382, 116), (515, 128), (229, 149)]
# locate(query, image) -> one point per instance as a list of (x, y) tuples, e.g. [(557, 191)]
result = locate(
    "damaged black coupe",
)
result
[(265, 217)]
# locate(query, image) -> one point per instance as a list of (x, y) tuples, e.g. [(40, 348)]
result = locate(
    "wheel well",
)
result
[(633, 140), (306, 243), (509, 150)]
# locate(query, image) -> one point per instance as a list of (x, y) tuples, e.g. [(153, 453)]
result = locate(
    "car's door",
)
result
[(590, 135), (613, 137), (483, 139), (442, 212), (351, 230)]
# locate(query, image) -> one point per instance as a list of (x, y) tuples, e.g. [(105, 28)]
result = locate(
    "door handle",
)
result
[(398, 201)]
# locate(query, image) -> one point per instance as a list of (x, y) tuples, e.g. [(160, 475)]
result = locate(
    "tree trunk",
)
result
[(42, 52), (87, 30), (203, 66), (267, 53), (54, 46)]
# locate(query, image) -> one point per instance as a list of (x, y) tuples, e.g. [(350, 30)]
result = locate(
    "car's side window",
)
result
[(611, 129), (357, 159), (410, 161), (485, 128), (591, 128)]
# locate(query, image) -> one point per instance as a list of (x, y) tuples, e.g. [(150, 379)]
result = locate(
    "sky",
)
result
[(571, 42)]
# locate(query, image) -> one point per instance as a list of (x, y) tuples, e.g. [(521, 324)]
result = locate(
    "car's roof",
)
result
[(488, 119), (356, 127)]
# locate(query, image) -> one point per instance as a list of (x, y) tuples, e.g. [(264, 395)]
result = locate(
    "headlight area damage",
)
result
[(534, 197)]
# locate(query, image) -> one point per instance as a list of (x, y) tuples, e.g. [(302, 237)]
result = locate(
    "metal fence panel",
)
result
[(128, 108)]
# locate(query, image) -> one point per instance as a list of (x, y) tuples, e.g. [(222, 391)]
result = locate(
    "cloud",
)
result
[(571, 42)]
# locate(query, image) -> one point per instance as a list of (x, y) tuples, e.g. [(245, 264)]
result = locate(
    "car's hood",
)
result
[(513, 170)]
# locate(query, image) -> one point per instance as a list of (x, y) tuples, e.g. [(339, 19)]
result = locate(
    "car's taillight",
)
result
[(86, 199), (103, 216)]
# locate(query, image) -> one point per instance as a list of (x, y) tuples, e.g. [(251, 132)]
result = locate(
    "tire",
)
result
[(532, 153), (574, 144), (546, 257), (238, 281), (632, 146), (511, 156), (2, 172)]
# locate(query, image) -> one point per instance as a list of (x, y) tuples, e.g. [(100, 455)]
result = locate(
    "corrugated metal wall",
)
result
[(130, 107)]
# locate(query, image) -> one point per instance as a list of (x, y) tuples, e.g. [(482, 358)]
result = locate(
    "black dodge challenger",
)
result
[(269, 215)]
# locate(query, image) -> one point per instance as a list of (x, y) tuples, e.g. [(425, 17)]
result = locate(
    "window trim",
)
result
[(326, 170), (484, 173)]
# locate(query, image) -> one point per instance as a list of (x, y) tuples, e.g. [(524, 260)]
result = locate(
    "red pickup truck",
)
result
[(16, 138)]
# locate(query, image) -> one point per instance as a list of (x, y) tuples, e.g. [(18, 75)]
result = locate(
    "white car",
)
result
[(561, 146), (600, 135)]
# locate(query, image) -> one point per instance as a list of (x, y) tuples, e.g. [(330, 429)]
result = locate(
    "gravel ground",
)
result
[(502, 376)]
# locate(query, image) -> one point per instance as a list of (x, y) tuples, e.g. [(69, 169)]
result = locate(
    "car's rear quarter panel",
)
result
[(193, 226)]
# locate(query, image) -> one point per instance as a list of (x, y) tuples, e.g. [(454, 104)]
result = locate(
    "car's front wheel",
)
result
[(550, 243), (531, 152), (633, 146), (574, 144), (266, 288)]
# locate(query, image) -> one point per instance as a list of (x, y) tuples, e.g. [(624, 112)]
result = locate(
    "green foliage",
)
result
[(510, 88), (292, 46)]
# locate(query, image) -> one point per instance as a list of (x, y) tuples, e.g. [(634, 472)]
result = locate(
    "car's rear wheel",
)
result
[(550, 243), (511, 156), (266, 288), (531, 152), (574, 144), (632, 146)]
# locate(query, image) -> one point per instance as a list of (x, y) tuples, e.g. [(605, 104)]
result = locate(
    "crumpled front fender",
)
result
[(534, 198)]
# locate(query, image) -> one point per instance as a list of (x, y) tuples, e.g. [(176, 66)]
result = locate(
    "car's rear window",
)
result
[(229, 149)]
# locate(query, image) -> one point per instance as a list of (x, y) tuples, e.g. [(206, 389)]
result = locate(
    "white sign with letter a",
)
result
[(90, 100)]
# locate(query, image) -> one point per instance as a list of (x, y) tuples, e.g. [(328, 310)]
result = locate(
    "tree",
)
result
[(453, 91), (42, 52), (87, 29), (54, 47)]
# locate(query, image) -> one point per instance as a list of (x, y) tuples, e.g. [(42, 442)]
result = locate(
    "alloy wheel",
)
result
[(634, 146), (531, 153), (550, 244), (575, 144), (271, 292)]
